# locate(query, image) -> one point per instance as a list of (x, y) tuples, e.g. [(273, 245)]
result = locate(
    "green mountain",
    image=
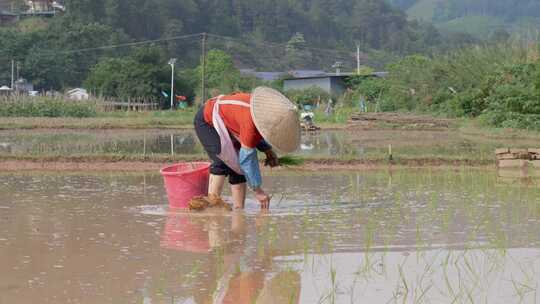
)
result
[(423, 9), (479, 18)]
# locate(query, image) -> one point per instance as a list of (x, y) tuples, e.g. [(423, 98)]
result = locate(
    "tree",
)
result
[(297, 54), (45, 50), (222, 75), (143, 74), (305, 26), (308, 96)]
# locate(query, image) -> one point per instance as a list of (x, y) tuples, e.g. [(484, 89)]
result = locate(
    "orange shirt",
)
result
[(237, 119)]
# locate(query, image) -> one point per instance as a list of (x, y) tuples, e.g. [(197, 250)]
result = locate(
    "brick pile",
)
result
[(528, 160)]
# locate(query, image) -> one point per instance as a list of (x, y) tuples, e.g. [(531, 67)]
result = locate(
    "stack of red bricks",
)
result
[(520, 159)]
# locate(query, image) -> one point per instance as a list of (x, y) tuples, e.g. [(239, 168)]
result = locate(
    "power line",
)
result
[(6, 56), (197, 36), (121, 45), (320, 53), (281, 45), (115, 46)]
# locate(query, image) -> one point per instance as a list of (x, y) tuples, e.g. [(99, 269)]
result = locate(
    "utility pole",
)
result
[(172, 61), (12, 74), (203, 81), (358, 59), (338, 65)]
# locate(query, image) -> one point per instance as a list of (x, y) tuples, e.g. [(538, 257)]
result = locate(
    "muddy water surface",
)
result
[(370, 237)]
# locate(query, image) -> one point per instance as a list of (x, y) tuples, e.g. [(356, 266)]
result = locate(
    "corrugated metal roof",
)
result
[(301, 74), (330, 75), (306, 73)]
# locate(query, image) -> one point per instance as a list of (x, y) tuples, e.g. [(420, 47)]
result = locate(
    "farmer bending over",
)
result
[(232, 128)]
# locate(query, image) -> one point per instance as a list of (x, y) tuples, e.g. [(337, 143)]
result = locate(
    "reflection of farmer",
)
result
[(245, 275), (232, 128)]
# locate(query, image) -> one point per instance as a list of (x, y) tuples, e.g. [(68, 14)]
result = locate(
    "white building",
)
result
[(78, 94), (5, 90)]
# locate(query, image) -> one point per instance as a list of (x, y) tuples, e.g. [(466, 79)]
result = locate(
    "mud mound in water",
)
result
[(201, 203), (400, 120)]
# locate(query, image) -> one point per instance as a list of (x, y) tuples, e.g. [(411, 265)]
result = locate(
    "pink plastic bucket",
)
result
[(185, 181)]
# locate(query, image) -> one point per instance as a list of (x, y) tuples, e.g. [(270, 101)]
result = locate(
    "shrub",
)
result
[(498, 83), (309, 96)]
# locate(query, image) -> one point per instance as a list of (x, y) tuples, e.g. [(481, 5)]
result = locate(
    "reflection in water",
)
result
[(243, 276), (368, 237), (329, 144), (99, 142)]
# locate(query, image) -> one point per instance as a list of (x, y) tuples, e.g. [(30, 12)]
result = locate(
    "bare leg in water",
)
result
[(238, 191)]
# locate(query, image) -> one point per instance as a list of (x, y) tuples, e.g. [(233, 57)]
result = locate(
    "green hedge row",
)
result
[(46, 107)]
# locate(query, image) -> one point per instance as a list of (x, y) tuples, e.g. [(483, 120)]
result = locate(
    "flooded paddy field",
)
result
[(96, 142), (351, 144), (407, 236)]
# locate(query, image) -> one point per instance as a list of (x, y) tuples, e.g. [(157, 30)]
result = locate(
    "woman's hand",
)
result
[(263, 198), (271, 159)]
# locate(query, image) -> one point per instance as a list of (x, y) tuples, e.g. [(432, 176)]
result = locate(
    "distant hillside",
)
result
[(402, 4), (480, 27), (423, 9), (479, 18), (267, 35)]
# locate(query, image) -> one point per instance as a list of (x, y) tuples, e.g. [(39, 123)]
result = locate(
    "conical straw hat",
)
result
[(276, 118)]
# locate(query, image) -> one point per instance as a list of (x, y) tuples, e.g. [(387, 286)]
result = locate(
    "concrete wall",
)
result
[(335, 86), (338, 86), (302, 84)]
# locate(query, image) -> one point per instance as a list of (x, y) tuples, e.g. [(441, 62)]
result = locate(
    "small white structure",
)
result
[(5, 90), (23, 86), (58, 6), (78, 94)]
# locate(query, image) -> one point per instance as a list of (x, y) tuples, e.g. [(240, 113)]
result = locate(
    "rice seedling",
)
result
[(291, 160)]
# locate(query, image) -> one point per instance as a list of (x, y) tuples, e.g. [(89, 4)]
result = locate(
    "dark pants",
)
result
[(209, 139)]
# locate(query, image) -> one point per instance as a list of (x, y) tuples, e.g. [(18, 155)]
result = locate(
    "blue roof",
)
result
[(300, 74), (333, 75)]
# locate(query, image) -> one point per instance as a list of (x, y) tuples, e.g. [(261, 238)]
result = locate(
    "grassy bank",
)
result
[(180, 119), (25, 106), (24, 112), (463, 142), (105, 120)]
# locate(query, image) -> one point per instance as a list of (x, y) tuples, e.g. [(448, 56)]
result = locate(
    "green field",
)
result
[(478, 26)]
